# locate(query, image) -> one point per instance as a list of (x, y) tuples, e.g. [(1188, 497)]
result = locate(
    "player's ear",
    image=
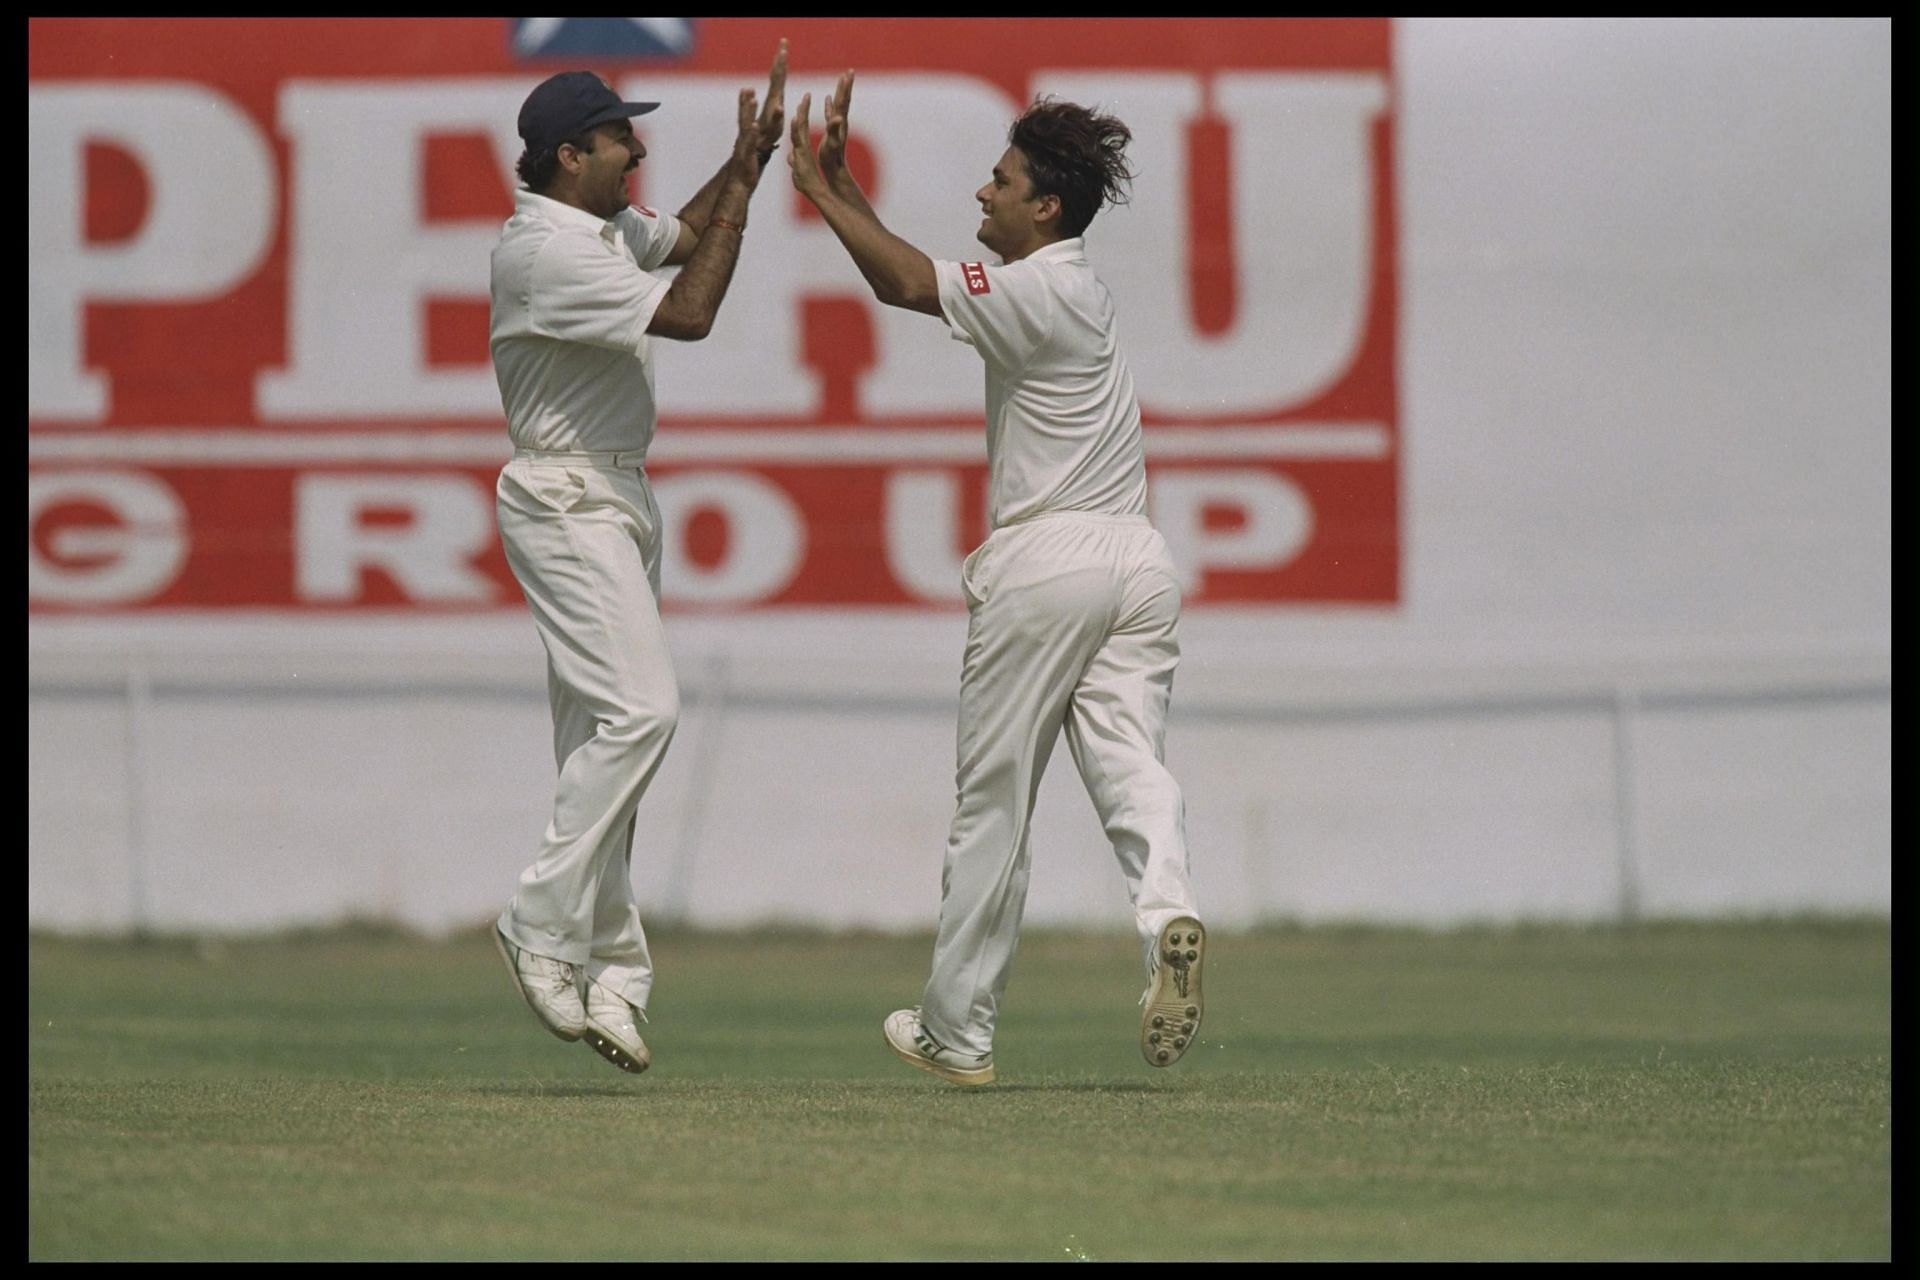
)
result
[(1047, 212)]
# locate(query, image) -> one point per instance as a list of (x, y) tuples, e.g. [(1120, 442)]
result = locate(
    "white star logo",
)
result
[(675, 33), (535, 34)]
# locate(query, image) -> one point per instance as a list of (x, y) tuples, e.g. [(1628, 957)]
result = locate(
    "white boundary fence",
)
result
[(169, 770)]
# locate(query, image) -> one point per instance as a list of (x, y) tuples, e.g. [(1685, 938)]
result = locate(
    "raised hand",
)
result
[(833, 147), (807, 178), (773, 115), (745, 163)]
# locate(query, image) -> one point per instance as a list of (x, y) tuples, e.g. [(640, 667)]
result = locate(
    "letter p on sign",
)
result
[(1274, 520)]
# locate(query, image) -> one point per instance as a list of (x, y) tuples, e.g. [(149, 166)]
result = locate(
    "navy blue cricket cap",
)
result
[(567, 105)]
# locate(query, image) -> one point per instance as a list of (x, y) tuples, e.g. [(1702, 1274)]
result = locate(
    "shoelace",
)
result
[(562, 978)]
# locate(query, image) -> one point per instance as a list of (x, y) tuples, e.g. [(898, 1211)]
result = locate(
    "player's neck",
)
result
[(569, 194), (1031, 247)]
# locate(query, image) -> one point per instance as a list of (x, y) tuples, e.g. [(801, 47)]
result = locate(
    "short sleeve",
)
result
[(650, 235), (1005, 312), (586, 290)]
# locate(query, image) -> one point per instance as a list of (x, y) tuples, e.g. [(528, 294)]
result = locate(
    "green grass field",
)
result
[(1685, 1091)]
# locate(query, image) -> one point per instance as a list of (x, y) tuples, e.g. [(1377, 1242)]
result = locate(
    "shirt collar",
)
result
[(1072, 249), (530, 202)]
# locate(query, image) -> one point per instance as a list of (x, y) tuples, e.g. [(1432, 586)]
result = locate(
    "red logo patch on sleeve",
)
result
[(976, 277)]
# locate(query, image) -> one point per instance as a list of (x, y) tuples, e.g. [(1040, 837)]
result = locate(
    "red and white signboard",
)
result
[(257, 303)]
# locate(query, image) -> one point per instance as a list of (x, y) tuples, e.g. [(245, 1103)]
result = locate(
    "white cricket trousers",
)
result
[(583, 537), (1073, 621)]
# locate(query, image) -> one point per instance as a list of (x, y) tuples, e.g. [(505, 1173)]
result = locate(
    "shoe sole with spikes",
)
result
[(1171, 1019)]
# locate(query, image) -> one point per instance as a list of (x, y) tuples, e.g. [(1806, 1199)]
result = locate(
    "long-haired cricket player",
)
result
[(1072, 598), (575, 305)]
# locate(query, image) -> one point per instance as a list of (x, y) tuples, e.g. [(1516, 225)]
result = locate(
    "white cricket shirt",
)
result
[(1063, 426), (572, 300)]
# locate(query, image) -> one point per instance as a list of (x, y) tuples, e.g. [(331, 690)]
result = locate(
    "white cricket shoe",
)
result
[(549, 986), (911, 1043), (613, 1029), (1170, 1014)]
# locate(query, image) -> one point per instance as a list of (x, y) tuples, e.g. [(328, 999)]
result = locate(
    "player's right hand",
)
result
[(833, 147)]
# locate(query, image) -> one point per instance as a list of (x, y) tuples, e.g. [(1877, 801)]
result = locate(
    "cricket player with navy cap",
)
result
[(576, 304)]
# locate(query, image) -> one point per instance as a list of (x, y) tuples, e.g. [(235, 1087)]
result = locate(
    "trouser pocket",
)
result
[(974, 581), (558, 489)]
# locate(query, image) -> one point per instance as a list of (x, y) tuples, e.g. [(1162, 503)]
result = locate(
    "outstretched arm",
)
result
[(687, 311), (696, 213), (899, 274), (832, 156)]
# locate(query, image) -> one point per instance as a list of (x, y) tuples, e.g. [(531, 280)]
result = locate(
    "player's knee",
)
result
[(666, 711), (649, 722)]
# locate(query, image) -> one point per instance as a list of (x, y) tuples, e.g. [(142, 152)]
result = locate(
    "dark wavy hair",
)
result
[(1075, 154), (536, 168)]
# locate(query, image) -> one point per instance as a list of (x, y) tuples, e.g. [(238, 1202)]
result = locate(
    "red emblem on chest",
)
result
[(976, 277)]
